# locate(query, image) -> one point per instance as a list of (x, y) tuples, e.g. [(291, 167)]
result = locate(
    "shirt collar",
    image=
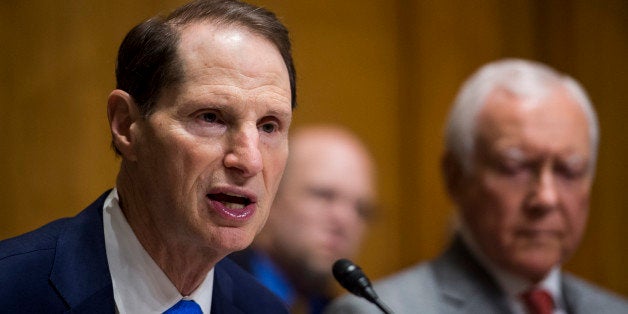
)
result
[(139, 284)]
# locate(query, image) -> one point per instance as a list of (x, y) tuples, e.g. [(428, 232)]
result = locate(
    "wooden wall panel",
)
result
[(56, 69), (386, 69), (599, 50)]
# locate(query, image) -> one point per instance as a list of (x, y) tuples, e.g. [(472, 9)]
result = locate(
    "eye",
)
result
[(324, 194), (209, 117), (570, 171), (509, 167), (269, 127)]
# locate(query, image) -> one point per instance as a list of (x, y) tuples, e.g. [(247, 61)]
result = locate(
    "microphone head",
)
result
[(351, 277)]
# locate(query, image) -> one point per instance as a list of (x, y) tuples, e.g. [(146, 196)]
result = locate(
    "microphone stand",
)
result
[(385, 309)]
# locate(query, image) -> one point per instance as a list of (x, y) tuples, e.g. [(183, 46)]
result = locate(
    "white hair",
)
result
[(525, 79)]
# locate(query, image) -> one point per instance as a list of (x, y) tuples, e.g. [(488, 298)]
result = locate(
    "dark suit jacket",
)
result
[(62, 267)]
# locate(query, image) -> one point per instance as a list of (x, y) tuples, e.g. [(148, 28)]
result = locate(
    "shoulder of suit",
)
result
[(596, 297), (404, 292), (45, 238), (412, 276), (34, 242), (411, 288)]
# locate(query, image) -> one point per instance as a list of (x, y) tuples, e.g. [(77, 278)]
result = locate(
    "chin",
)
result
[(534, 268), (234, 240)]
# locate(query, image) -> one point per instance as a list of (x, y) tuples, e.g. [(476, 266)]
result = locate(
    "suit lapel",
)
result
[(465, 286), (80, 271), (222, 295)]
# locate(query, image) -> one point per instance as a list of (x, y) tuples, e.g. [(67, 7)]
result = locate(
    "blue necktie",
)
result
[(185, 307)]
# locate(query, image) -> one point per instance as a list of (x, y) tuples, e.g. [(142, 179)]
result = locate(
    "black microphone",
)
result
[(351, 277)]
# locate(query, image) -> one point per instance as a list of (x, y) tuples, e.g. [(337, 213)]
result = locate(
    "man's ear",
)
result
[(122, 112), (454, 175)]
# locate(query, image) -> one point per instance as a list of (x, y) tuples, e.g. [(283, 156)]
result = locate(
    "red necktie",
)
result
[(538, 301)]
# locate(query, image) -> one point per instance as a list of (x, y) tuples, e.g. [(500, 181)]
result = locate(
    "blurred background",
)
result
[(386, 69)]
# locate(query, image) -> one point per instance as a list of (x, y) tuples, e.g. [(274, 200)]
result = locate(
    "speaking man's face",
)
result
[(210, 156)]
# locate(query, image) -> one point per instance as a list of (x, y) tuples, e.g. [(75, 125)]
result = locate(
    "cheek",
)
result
[(192, 165), (160, 165), (287, 216), (304, 216), (576, 215), (307, 219), (492, 206), (503, 196), (357, 232), (274, 165), (580, 223), (171, 151)]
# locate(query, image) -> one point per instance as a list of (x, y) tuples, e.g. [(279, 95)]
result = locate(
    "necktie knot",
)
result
[(538, 301), (185, 307)]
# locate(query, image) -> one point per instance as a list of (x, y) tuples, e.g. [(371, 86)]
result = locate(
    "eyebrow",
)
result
[(575, 159), (286, 114)]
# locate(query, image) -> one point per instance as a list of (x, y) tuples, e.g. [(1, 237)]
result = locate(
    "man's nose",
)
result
[(243, 153), (545, 194)]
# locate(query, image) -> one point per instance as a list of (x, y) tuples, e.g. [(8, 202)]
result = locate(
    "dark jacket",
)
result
[(62, 267)]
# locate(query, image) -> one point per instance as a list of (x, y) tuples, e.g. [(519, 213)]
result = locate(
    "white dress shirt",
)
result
[(139, 285), (514, 285)]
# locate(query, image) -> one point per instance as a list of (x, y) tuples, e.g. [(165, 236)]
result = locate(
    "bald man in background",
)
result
[(320, 214)]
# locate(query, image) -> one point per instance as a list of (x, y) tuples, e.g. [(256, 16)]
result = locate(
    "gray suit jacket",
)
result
[(456, 283)]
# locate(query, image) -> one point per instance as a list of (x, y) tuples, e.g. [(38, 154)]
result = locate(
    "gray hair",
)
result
[(524, 78)]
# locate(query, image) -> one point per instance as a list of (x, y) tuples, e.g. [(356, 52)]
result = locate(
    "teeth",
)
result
[(233, 205)]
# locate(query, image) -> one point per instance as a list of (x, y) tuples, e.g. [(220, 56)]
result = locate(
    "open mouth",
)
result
[(230, 201), (232, 206)]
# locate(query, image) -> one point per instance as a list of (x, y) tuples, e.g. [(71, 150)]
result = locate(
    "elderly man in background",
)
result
[(320, 214), (200, 119), (519, 162)]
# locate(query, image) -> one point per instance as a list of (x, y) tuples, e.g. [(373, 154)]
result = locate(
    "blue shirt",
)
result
[(273, 278)]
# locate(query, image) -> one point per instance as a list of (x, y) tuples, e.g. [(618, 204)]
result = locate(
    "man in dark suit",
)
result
[(519, 162), (200, 119)]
